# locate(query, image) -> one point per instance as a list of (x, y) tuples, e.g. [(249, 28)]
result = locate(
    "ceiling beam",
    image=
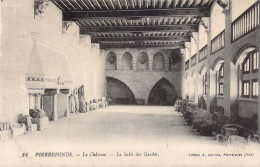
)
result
[(173, 12), (168, 28), (161, 46), (140, 38)]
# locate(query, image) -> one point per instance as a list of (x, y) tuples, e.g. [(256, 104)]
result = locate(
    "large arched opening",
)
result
[(163, 93), (118, 92)]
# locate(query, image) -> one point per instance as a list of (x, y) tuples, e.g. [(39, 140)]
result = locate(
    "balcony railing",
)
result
[(203, 53), (246, 22), (218, 42), (187, 65), (193, 60)]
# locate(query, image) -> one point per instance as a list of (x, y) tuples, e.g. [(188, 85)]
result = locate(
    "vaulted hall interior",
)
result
[(196, 60)]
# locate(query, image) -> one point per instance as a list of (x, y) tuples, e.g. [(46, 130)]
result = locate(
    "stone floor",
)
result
[(123, 130)]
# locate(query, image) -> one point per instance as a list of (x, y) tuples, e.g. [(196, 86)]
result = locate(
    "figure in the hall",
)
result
[(185, 103), (202, 103), (81, 95), (72, 104), (76, 100)]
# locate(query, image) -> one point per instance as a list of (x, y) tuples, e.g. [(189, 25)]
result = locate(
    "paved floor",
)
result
[(123, 130)]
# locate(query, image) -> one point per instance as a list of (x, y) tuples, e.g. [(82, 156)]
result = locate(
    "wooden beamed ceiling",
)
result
[(136, 23)]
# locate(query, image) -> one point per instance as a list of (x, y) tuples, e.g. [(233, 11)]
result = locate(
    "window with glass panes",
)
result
[(220, 80), (250, 67), (205, 83), (254, 88)]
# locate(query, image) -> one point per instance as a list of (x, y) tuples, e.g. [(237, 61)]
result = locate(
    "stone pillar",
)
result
[(31, 101), (118, 62), (134, 63), (38, 101), (258, 43), (259, 89), (182, 51), (189, 54), (150, 64), (166, 64), (194, 77), (68, 105), (55, 112), (230, 69), (210, 94)]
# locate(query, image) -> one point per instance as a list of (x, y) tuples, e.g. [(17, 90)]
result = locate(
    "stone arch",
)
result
[(127, 61), (186, 76), (158, 61), (217, 63), (194, 74), (142, 61), (162, 93), (242, 53), (203, 69), (118, 92), (111, 61)]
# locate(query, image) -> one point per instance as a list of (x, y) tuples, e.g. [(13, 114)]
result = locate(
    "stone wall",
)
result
[(146, 72), (233, 103), (80, 58)]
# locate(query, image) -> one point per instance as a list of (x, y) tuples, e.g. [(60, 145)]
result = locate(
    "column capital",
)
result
[(195, 36), (35, 91), (84, 40), (40, 7), (205, 23), (225, 4), (182, 51), (95, 46), (187, 45), (66, 26)]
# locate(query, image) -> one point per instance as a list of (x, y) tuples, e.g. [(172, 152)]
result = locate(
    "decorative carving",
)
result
[(102, 52), (60, 81), (51, 92), (83, 40), (35, 91), (195, 36), (94, 45), (40, 7), (65, 91), (111, 59), (65, 26), (187, 46), (205, 23), (224, 4), (142, 59), (182, 51)]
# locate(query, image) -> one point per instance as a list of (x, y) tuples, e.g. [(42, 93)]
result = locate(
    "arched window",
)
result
[(249, 69), (142, 61), (220, 79), (127, 61), (158, 61)]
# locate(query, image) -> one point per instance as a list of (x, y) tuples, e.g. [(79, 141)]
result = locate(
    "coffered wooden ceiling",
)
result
[(136, 23)]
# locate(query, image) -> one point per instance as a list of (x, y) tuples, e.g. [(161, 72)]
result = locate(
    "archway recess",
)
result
[(118, 92), (163, 93)]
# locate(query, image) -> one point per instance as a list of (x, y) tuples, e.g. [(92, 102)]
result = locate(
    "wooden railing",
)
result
[(218, 42), (246, 22), (193, 60), (203, 53), (187, 65)]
